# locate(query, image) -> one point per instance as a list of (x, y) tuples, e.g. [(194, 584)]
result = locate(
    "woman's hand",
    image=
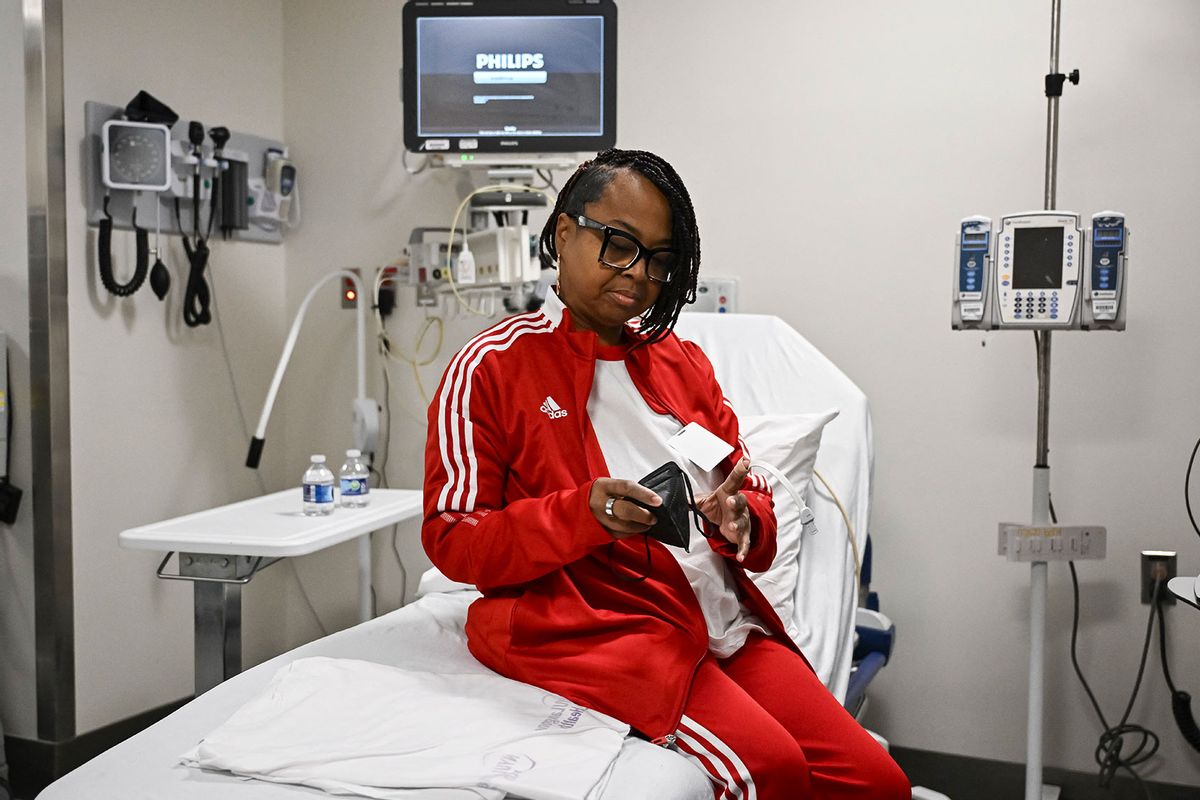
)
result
[(620, 517), (728, 510)]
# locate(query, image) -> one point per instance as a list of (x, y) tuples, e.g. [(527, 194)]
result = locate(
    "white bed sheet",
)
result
[(426, 635)]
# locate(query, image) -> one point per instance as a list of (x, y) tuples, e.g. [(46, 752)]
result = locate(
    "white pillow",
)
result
[(789, 443), (434, 582)]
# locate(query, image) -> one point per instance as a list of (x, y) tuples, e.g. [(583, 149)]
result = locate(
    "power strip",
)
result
[(1052, 542)]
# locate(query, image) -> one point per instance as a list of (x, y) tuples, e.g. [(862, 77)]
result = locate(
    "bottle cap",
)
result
[(317, 459), (353, 453)]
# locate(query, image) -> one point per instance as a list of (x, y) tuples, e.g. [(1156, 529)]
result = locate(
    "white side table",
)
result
[(222, 548)]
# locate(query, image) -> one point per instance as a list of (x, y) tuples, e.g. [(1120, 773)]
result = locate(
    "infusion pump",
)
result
[(1041, 271)]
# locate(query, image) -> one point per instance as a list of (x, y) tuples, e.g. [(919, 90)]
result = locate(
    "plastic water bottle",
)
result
[(355, 479), (318, 488)]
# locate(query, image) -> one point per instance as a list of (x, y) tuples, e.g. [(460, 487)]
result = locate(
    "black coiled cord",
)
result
[(1181, 702), (1111, 752), (197, 298), (104, 255)]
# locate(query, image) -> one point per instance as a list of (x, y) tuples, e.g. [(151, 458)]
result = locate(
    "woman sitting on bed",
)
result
[(538, 434)]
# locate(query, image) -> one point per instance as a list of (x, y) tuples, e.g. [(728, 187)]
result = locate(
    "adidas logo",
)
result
[(551, 409)]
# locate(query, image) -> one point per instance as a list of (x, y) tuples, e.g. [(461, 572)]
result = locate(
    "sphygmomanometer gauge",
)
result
[(136, 155)]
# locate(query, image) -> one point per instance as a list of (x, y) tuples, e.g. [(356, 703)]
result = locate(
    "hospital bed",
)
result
[(782, 389)]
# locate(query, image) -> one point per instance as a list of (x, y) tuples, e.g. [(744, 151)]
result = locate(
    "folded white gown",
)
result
[(354, 727)]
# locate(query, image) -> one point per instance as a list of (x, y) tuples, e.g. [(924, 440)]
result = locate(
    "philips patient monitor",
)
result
[(1040, 270), (509, 76)]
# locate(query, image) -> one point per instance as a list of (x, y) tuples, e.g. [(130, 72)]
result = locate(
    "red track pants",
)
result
[(763, 727)]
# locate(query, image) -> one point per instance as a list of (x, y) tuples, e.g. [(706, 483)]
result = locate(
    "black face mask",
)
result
[(671, 484), (672, 526)]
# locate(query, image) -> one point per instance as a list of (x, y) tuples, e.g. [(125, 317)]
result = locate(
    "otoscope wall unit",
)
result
[(258, 200)]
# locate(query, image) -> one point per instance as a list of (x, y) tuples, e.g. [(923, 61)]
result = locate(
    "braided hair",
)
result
[(587, 185)]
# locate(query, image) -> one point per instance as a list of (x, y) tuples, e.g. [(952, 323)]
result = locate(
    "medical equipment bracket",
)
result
[(198, 564), (152, 205), (1055, 81)]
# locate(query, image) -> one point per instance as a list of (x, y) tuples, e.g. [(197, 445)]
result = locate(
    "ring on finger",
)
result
[(608, 507)]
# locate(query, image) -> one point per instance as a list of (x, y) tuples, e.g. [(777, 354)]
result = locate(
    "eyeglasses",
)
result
[(620, 251)]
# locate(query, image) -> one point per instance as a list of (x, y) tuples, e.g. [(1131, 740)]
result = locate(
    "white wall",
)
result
[(831, 150), (18, 709), (154, 428), (343, 122)]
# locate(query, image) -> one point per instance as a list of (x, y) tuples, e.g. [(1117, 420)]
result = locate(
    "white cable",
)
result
[(496, 187), (849, 527), (294, 333), (807, 518), (404, 161)]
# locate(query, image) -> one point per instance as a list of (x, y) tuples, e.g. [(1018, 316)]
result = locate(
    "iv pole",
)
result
[(1041, 469)]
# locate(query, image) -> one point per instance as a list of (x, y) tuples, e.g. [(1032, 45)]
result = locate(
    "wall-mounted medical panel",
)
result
[(151, 168)]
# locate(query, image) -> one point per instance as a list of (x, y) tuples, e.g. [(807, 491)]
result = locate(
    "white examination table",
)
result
[(765, 368)]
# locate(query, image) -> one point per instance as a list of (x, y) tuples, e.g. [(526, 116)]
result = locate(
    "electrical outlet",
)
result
[(1163, 563), (426, 295)]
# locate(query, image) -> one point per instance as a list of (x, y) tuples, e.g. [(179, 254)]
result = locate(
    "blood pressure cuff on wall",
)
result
[(673, 526)]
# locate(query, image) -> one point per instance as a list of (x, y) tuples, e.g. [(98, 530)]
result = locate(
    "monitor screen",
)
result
[(1037, 258), (510, 76)]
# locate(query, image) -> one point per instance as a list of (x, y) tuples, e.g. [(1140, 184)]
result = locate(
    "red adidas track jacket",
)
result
[(509, 462)]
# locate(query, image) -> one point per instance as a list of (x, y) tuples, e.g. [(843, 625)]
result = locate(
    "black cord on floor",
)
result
[(1110, 751), (1181, 702), (1109, 755)]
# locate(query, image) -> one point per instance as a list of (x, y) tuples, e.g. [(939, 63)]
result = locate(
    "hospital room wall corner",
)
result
[(18, 704), (154, 429)]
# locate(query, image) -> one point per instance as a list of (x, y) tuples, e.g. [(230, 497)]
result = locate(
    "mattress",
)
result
[(426, 635)]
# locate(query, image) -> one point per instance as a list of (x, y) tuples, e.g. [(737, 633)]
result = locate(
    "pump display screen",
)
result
[(1037, 258), (520, 82)]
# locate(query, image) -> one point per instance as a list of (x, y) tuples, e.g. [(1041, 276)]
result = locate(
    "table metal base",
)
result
[(217, 583)]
